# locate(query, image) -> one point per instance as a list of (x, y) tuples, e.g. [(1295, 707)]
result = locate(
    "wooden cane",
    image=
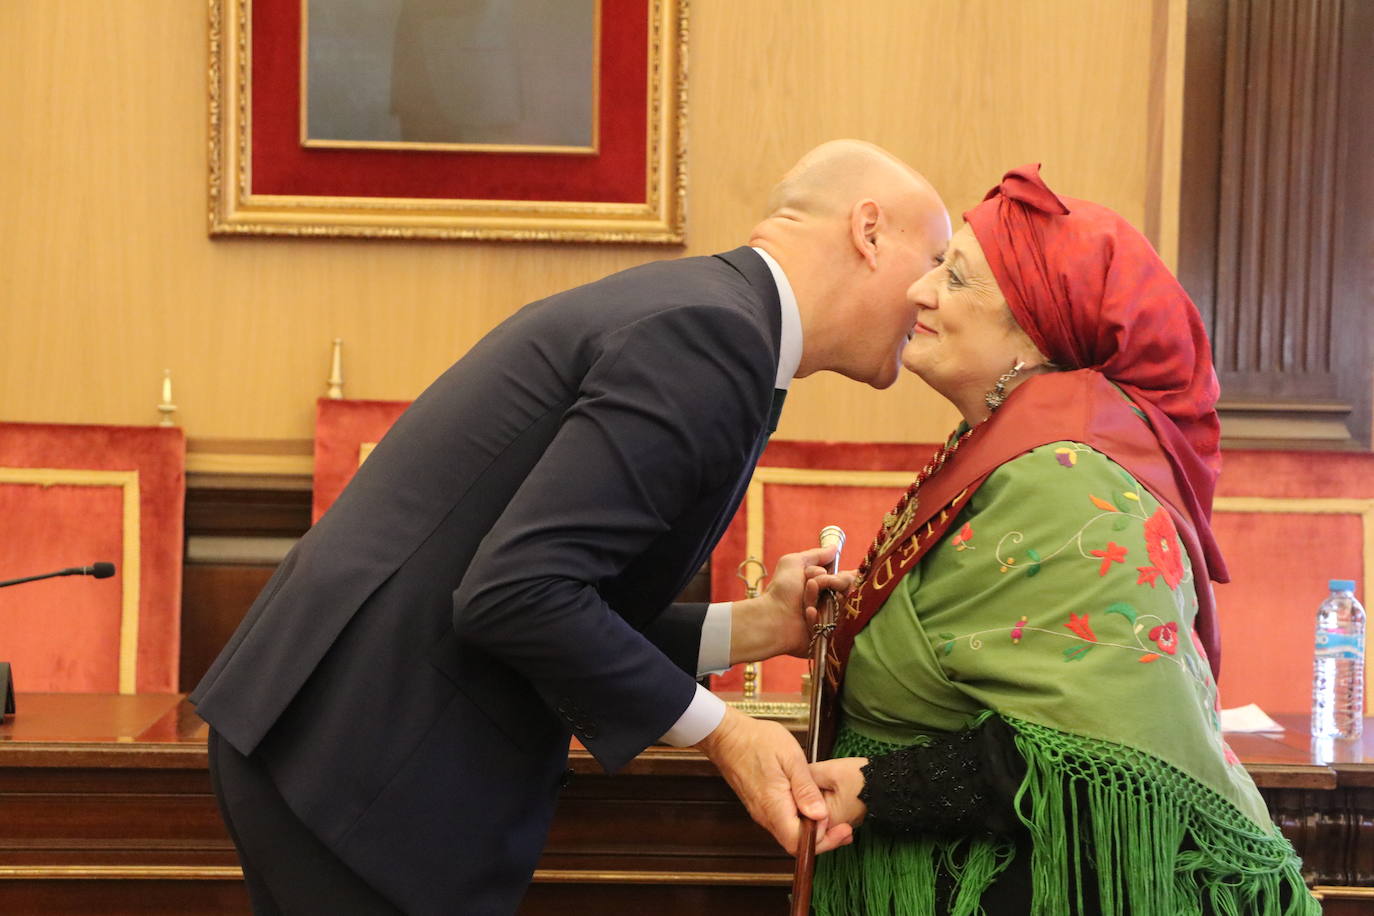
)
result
[(820, 648)]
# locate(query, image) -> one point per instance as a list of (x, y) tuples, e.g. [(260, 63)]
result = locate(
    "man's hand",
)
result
[(780, 621), (841, 780), (765, 767)]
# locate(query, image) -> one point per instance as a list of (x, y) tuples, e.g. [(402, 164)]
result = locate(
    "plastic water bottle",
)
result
[(1338, 670)]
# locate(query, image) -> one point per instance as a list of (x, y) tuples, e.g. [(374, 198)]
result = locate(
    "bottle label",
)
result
[(1339, 645)]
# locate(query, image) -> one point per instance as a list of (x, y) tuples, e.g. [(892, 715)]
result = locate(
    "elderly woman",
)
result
[(1027, 660)]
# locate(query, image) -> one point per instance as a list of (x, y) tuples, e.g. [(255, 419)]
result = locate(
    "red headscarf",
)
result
[(1091, 293)]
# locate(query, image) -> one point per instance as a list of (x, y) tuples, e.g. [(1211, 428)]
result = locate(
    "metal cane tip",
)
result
[(832, 534)]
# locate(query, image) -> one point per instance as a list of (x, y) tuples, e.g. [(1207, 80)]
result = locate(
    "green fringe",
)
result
[(1127, 849), (883, 875)]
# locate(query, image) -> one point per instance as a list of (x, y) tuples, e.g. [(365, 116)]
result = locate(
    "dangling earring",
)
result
[(998, 394)]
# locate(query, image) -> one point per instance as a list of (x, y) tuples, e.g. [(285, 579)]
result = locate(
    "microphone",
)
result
[(98, 570)]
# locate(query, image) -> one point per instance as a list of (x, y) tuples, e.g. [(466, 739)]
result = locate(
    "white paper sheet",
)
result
[(1249, 718)]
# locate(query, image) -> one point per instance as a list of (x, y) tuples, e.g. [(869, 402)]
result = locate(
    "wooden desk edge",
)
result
[(91, 755)]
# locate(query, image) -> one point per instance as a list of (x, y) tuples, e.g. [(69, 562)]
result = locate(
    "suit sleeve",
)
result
[(666, 418), (677, 633)]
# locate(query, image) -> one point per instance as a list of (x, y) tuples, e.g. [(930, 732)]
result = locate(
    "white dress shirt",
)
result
[(706, 710)]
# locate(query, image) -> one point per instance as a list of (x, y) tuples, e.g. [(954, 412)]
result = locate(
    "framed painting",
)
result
[(526, 120)]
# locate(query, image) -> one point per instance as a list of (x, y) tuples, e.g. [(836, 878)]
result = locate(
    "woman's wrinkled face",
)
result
[(964, 337)]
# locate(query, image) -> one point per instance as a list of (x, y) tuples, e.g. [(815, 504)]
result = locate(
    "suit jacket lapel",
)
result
[(750, 266), (779, 395)]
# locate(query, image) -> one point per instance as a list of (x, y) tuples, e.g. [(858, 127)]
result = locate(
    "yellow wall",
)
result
[(107, 275)]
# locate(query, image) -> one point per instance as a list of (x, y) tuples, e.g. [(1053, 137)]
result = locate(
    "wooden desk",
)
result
[(1322, 796), (105, 807)]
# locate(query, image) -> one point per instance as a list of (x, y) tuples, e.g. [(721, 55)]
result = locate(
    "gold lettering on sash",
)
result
[(944, 515), (910, 549), (930, 530), (852, 605), (962, 494), (887, 567)]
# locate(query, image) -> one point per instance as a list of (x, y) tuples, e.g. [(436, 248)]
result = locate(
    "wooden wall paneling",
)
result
[(1279, 149), (214, 599), (1275, 232), (216, 594), (244, 510), (1353, 273), (1199, 178), (1236, 336)]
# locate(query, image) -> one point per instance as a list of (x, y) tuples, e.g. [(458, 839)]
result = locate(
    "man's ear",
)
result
[(865, 220)]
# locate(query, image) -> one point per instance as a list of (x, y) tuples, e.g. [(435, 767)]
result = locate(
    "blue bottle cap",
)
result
[(1341, 585)]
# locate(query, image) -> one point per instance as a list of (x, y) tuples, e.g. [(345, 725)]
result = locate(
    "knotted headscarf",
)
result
[(1091, 293)]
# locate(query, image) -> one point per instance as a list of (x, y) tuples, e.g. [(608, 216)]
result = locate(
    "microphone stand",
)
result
[(98, 570), (7, 689), (820, 648)]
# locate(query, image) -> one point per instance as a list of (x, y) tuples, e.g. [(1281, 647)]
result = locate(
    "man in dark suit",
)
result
[(390, 722)]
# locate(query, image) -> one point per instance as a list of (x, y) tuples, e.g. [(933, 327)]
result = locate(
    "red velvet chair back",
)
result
[(345, 431), (1286, 522), (74, 495)]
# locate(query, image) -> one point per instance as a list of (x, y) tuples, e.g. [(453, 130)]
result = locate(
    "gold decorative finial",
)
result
[(167, 408), (752, 581), (336, 370)]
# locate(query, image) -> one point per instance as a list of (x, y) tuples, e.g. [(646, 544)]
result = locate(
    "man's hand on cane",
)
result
[(762, 761), (780, 621), (766, 768)]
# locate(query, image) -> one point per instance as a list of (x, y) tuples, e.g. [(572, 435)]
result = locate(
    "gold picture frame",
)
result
[(239, 207)]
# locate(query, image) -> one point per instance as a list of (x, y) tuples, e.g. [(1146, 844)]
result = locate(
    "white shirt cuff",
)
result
[(702, 716), (713, 656)]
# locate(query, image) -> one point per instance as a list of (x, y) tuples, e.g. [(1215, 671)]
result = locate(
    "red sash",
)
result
[(1080, 406)]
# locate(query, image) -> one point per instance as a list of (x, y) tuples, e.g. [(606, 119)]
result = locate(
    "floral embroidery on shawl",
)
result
[(1161, 542), (1140, 636)]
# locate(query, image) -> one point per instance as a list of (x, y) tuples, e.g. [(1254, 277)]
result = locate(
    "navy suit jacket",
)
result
[(500, 573)]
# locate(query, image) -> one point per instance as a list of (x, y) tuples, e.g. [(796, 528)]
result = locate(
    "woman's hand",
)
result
[(840, 781)]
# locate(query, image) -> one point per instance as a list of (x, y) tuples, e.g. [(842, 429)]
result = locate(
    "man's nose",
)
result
[(921, 293)]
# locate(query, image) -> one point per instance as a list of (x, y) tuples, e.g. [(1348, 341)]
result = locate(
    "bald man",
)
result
[(390, 723)]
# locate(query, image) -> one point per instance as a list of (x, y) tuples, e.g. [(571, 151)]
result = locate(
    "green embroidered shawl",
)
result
[(1062, 600)]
